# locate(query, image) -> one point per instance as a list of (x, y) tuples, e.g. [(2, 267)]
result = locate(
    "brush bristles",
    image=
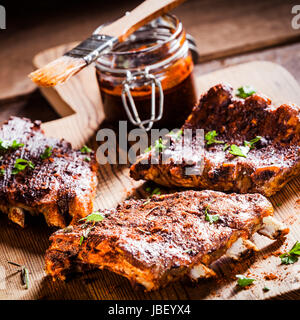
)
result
[(57, 71)]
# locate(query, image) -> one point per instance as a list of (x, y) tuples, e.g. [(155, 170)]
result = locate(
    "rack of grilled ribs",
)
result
[(158, 240), (267, 167), (43, 175)]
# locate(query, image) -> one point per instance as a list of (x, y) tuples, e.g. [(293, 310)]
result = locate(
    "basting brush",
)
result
[(63, 68)]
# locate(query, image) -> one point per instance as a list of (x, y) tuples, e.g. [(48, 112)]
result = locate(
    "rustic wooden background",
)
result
[(227, 33), (220, 27)]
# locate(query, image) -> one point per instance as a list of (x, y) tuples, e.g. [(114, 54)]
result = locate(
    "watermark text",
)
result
[(296, 19), (2, 17)]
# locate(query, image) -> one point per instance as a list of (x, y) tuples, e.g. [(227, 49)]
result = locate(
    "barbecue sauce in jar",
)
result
[(155, 55)]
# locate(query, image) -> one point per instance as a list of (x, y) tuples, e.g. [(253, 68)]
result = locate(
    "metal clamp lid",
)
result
[(131, 110)]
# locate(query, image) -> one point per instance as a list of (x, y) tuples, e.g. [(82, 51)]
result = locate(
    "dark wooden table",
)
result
[(50, 25)]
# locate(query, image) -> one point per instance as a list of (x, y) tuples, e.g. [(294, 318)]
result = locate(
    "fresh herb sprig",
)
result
[(4, 145), (24, 273), (236, 151), (210, 137), (154, 191), (81, 240), (22, 164), (176, 134), (85, 234), (25, 277), (47, 153), (85, 149), (143, 231), (95, 217), (211, 218), (251, 143), (148, 149), (244, 281), (226, 146), (245, 91), (291, 256), (242, 150), (159, 146), (15, 145)]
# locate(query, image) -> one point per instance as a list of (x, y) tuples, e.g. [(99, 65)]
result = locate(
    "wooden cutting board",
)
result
[(79, 104)]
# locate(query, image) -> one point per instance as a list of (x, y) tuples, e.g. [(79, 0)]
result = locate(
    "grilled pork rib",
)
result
[(268, 166), (156, 241), (53, 180)]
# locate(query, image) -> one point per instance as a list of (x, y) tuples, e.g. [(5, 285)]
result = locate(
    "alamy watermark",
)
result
[(2, 17), (176, 147), (296, 19)]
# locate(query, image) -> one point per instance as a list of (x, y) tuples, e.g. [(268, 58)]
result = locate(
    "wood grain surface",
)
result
[(220, 27), (138, 17), (28, 246)]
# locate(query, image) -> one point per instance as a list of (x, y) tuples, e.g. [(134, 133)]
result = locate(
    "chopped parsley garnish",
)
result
[(144, 231), (266, 289), (226, 146), (87, 159), (146, 202), (210, 137), (22, 164), (25, 277), (148, 149), (81, 240), (236, 151), (211, 218), (16, 145), (245, 91), (85, 234), (156, 191), (159, 146), (242, 150), (153, 191), (85, 149), (95, 216), (291, 256), (47, 153), (4, 145), (244, 281), (251, 143), (176, 135), (24, 274), (288, 259)]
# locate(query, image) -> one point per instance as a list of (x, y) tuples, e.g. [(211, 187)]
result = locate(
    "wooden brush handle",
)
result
[(141, 15)]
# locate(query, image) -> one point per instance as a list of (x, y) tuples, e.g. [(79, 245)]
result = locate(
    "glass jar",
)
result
[(148, 79)]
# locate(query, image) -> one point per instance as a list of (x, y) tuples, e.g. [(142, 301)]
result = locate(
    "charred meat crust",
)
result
[(153, 242), (61, 186), (266, 169)]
